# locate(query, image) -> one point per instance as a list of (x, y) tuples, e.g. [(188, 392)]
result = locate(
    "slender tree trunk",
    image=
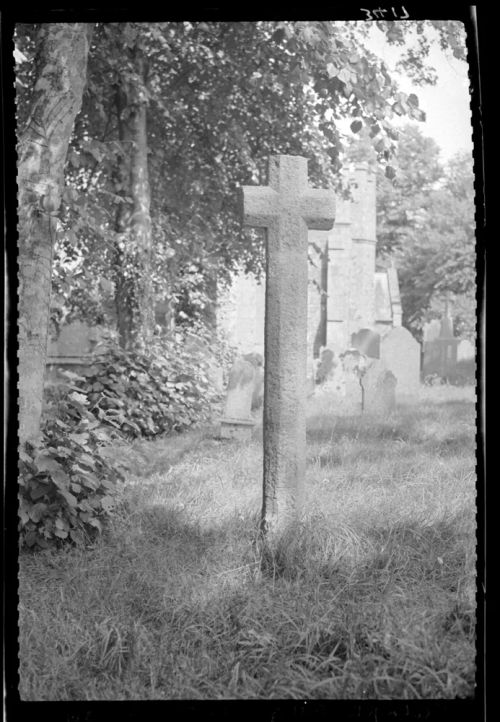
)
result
[(42, 149), (134, 286)]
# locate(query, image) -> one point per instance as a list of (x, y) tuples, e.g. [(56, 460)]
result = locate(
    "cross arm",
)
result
[(317, 208), (260, 205)]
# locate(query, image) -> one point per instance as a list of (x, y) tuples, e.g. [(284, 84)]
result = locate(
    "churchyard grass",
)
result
[(371, 596)]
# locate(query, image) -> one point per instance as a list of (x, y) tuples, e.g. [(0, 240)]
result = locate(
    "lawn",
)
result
[(371, 596)]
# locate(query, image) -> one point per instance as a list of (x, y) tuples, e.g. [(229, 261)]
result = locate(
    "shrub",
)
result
[(66, 488), (163, 389)]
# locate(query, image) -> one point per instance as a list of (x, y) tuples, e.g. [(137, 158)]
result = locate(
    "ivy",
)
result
[(67, 489)]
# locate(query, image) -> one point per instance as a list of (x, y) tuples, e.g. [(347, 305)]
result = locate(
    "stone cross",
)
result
[(287, 208)]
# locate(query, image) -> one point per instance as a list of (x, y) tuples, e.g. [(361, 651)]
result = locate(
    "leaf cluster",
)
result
[(67, 488), (143, 393)]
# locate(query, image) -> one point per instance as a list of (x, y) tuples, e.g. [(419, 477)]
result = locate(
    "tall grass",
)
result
[(371, 596)]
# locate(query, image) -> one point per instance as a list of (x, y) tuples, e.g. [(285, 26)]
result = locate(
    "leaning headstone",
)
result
[(367, 342), (287, 208), (237, 422), (401, 354), (379, 389)]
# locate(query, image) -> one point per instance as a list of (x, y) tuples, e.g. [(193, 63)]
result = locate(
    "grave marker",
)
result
[(401, 354), (237, 422), (379, 389), (286, 208), (367, 341)]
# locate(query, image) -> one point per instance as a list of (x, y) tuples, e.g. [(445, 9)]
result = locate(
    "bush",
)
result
[(66, 488), (145, 393)]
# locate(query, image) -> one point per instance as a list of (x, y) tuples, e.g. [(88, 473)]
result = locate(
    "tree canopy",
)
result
[(220, 97)]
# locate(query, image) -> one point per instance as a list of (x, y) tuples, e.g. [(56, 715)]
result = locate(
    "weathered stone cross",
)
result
[(287, 208)]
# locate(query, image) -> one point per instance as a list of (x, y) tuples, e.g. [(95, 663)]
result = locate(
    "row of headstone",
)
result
[(398, 350), (367, 377), (356, 383), (362, 379)]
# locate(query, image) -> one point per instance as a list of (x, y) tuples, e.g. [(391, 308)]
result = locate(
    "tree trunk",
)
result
[(60, 79), (134, 286)]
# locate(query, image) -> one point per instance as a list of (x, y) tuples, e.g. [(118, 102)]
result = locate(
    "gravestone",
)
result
[(340, 379), (353, 365), (466, 350), (74, 349), (75, 340), (237, 422), (441, 353), (379, 389), (327, 361), (431, 330), (367, 342), (287, 208), (401, 354), (258, 385)]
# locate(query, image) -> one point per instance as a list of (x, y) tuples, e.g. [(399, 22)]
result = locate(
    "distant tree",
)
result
[(438, 261), (425, 223)]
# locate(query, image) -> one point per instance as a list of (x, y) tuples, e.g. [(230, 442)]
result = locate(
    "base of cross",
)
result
[(238, 429)]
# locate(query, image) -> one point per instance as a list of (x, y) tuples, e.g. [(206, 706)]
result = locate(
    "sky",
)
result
[(446, 104)]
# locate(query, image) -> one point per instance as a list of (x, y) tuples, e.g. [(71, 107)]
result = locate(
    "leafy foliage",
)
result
[(221, 97), (66, 486), (425, 222), (145, 393)]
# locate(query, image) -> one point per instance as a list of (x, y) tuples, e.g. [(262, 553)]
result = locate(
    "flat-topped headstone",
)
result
[(237, 422), (401, 354), (367, 342), (287, 208), (379, 389), (74, 340)]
